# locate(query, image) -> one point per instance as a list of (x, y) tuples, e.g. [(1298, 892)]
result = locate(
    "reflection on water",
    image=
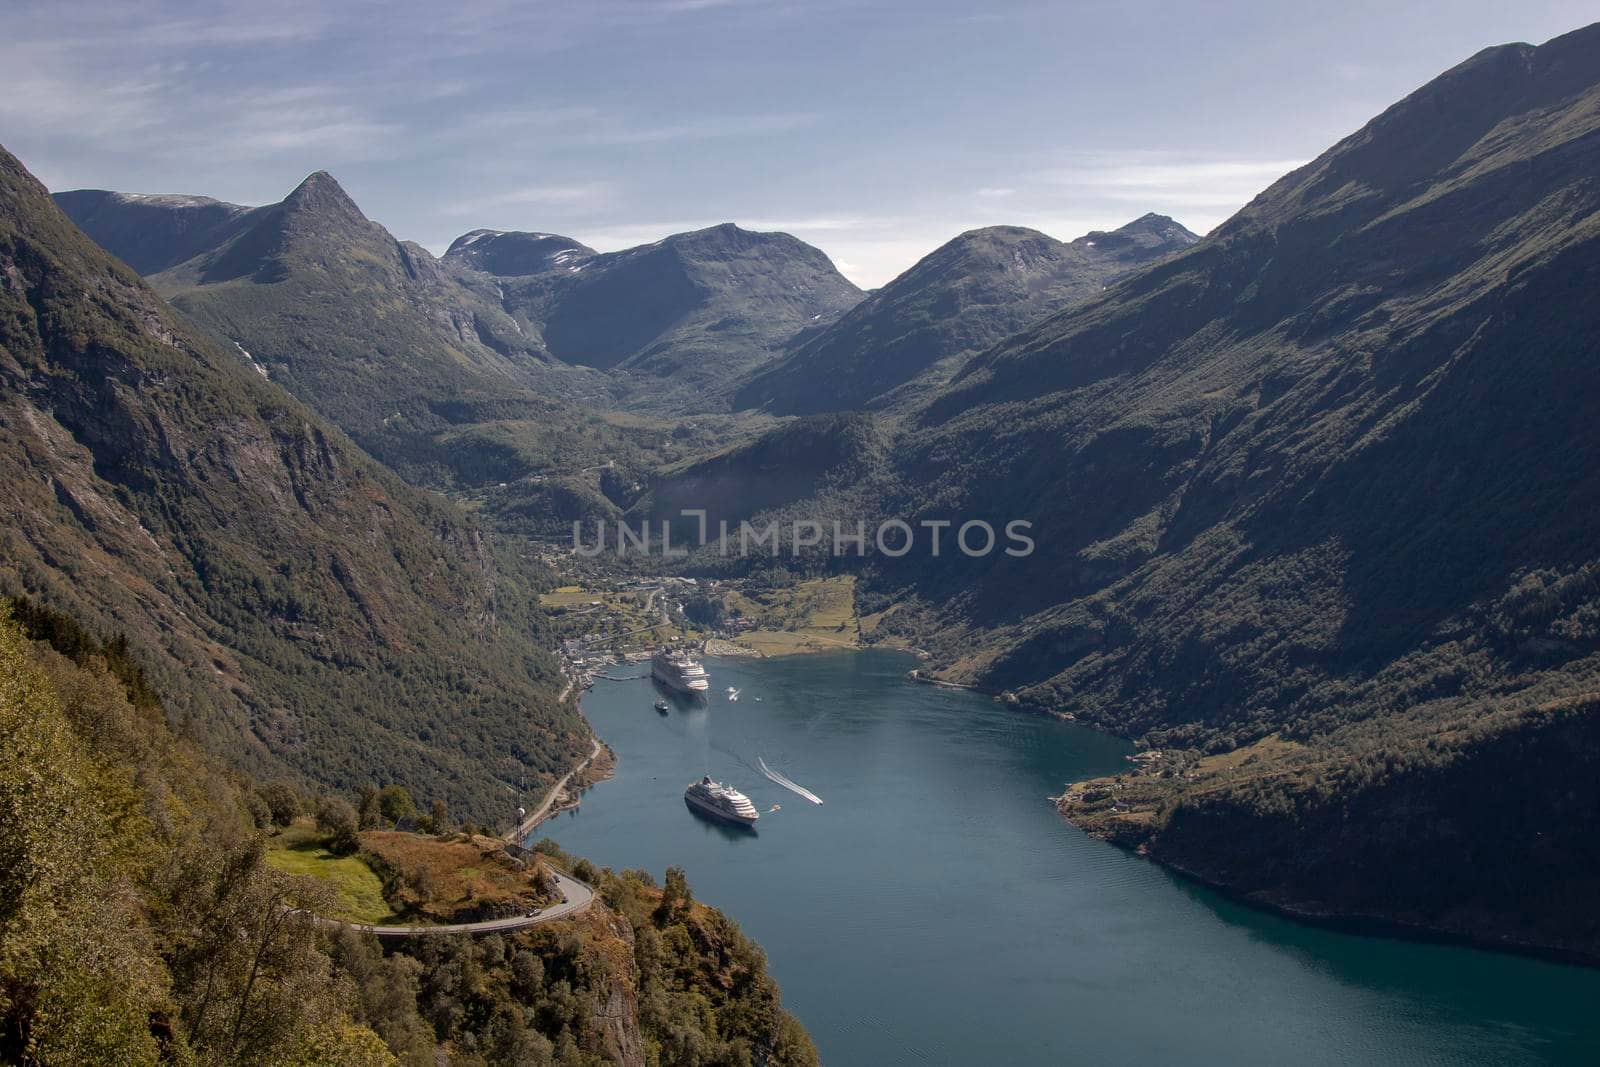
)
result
[(720, 828), (935, 909)]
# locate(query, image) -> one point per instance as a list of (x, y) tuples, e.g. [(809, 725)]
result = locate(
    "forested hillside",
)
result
[(1328, 478), (307, 612), (1313, 505), (139, 923)]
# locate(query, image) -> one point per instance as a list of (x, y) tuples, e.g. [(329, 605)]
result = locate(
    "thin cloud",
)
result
[(814, 224), (121, 107), (507, 120), (121, 28), (1173, 182), (704, 129), (590, 196)]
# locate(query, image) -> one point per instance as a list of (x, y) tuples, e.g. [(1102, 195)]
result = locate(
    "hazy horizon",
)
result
[(874, 131)]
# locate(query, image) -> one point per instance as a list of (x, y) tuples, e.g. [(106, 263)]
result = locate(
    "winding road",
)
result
[(539, 814), (576, 897)]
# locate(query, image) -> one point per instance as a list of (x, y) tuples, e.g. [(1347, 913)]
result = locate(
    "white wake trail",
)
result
[(786, 783)]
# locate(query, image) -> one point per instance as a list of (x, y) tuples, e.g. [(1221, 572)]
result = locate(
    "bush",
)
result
[(260, 813), (283, 803), (337, 819), (394, 803)]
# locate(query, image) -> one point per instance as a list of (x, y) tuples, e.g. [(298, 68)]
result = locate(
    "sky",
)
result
[(874, 130)]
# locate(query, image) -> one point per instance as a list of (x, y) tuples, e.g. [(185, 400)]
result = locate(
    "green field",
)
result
[(359, 890), (629, 618), (810, 616)]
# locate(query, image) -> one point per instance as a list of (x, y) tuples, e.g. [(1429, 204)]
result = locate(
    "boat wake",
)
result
[(786, 783)]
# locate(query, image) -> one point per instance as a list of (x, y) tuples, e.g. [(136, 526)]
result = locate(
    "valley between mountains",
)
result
[(1313, 500)]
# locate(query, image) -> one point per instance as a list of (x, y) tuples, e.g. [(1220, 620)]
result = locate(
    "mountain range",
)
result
[(682, 317), (494, 371), (370, 331), (961, 298), (503, 323), (527, 328)]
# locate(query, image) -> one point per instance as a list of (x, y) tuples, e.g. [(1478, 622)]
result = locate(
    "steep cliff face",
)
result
[(1319, 491), (615, 996), (312, 614)]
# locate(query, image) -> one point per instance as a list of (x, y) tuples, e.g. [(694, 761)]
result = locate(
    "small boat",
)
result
[(733, 694), (661, 706)]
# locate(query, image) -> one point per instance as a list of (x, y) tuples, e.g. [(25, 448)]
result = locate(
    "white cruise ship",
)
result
[(721, 802), (679, 671)]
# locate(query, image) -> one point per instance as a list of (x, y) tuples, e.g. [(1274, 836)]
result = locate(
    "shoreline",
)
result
[(1388, 928), (564, 795), (1358, 924), (1355, 924)]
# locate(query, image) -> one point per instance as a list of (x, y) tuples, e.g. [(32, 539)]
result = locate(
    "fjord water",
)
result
[(934, 909)]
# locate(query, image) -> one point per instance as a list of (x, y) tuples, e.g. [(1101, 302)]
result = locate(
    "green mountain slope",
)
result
[(426, 374), (963, 297), (309, 611), (809, 459), (367, 329), (679, 319), (414, 358), (1328, 478)]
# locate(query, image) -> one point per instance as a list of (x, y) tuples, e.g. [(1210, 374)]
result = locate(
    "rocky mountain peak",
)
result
[(1164, 227), (1149, 234), (320, 193), (516, 253)]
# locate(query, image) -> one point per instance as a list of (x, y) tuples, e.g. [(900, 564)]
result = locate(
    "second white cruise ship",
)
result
[(722, 802), (677, 670)]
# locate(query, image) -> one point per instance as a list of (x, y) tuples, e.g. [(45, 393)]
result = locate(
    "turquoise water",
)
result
[(934, 910)]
